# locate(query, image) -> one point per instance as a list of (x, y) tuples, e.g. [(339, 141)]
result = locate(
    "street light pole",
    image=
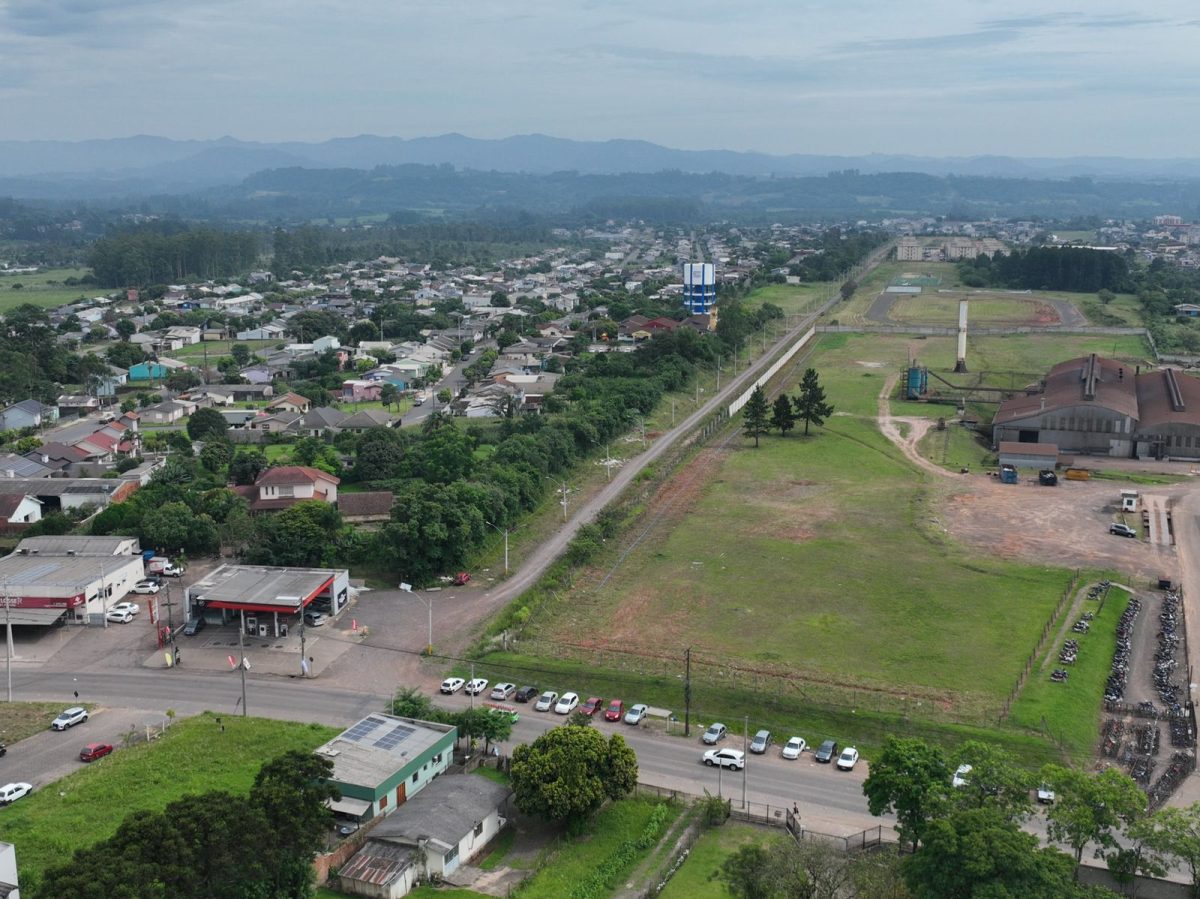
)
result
[(8, 651), (745, 748), (503, 531), (407, 588), (242, 658)]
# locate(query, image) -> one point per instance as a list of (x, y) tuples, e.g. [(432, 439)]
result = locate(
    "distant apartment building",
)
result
[(908, 249), (957, 248), (1168, 221)]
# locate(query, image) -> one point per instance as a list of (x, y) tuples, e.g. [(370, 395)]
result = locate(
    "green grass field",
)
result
[(793, 298), (986, 309), (1070, 712), (572, 860), (813, 581), (19, 720), (45, 289), (194, 756), (697, 877)]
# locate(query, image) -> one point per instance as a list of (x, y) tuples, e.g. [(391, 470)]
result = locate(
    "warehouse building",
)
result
[(47, 579), (1097, 406)]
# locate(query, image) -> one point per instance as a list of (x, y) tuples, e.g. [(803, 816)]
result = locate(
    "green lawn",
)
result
[(793, 298), (1070, 712), (697, 877), (45, 289), (813, 582), (218, 348), (194, 756)]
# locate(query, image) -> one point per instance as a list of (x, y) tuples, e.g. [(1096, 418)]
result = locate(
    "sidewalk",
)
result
[(213, 649)]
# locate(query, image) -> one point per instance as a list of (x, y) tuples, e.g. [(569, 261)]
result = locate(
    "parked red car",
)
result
[(592, 706), (615, 710), (461, 578), (93, 751)]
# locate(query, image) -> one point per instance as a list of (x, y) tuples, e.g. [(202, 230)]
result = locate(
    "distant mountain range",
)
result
[(144, 165)]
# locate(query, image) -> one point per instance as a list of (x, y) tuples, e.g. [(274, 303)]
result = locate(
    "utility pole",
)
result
[(745, 749), (407, 588), (687, 693), (303, 671), (672, 411), (608, 454), (103, 611), (504, 531), (242, 658), (8, 652), (718, 374), (472, 678)]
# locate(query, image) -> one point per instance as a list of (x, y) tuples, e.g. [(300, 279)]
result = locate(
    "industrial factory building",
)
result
[(1097, 406)]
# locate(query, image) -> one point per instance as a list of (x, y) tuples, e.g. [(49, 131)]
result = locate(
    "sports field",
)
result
[(932, 308)]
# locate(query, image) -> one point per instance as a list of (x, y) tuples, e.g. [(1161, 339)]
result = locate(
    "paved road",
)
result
[(48, 756)]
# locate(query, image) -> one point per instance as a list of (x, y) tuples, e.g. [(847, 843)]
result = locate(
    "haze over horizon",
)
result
[(1094, 79)]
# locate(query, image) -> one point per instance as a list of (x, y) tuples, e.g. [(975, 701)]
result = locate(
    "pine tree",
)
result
[(754, 415), (810, 404), (782, 416)]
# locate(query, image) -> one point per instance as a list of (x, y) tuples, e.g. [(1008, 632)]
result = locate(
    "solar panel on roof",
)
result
[(363, 729), (394, 737)]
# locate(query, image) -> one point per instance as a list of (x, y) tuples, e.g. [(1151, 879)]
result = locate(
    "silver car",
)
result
[(546, 701), (69, 718), (635, 714)]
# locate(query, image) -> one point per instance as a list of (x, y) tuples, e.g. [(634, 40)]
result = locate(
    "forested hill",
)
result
[(300, 193)]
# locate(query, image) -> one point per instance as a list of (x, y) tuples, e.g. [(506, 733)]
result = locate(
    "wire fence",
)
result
[(1047, 629)]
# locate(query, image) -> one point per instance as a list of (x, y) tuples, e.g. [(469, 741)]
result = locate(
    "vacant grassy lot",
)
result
[(44, 289), (194, 756), (793, 298), (19, 720), (819, 556), (813, 579), (219, 348), (572, 860), (697, 877)]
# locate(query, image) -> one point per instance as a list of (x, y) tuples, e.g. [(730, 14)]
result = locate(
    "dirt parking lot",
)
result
[(1064, 526)]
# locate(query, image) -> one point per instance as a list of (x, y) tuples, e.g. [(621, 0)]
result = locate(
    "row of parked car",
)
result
[(11, 792), (549, 700), (735, 758)]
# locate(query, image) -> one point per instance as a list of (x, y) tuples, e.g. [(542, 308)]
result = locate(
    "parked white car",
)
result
[(793, 747), (121, 616), (566, 704), (848, 759), (69, 718), (13, 792), (960, 776), (452, 684), (150, 587), (546, 701), (131, 607), (476, 686), (726, 758)]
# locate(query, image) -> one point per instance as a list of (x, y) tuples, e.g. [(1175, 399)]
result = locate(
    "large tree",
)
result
[(568, 772), (995, 781), (1091, 808), (910, 779), (1173, 834), (782, 416), (206, 424), (811, 407), (977, 853), (754, 415)]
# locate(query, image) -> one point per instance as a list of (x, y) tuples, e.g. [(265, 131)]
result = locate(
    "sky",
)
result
[(934, 77)]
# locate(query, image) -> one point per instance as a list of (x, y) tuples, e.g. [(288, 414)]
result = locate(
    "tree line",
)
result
[(146, 255), (1049, 268)]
